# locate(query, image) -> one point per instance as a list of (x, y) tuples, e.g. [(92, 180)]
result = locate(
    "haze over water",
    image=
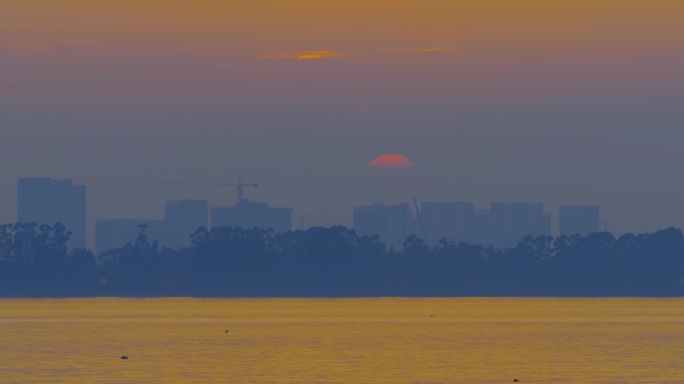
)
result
[(386, 340)]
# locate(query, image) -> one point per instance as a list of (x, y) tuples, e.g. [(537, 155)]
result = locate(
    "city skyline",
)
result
[(578, 103), (46, 201), (146, 199)]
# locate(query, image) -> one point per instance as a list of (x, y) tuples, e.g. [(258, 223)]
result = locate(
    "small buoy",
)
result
[(226, 331), (124, 357), (515, 380), (432, 315)]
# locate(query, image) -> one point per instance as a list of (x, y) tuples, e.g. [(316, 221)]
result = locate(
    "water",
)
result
[(471, 340)]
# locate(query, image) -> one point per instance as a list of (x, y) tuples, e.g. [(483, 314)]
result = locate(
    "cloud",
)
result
[(312, 55), (279, 55), (24, 47), (395, 55), (435, 49), (304, 55)]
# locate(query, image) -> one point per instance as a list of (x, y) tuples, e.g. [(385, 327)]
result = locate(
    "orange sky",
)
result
[(356, 29), (371, 77), (434, 46)]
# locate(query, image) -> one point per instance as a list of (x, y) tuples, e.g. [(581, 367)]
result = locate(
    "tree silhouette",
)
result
[(336, 261)]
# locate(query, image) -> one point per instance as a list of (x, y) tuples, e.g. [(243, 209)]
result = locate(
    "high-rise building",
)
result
[(578, 219), (482, 231), (182, 219), (453, 221), (115, 233), (48, 201), (392, 223), (246, 214), (511, 222)]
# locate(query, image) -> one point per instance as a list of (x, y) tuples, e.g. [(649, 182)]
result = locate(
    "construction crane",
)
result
[(239, 187), (420, 220)]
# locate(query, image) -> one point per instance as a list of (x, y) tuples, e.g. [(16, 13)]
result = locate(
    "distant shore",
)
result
[(337, 262)]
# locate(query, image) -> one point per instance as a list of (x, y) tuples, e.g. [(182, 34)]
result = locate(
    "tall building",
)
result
[(48, 201), (578, 219), (115, 233), (511, 222), (246, 214), (482, 232), (392, 223), (181, 219), (454, 221)]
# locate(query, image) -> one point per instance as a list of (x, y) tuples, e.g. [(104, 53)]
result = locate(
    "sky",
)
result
[(563, 102)]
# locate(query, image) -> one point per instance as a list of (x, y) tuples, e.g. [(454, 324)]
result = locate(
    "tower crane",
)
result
[(420, 220), (239, 186)]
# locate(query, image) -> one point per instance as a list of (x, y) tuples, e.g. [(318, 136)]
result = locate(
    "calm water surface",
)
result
[(470, 340)]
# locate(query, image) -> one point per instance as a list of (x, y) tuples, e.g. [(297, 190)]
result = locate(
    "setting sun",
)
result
[(391, 160)]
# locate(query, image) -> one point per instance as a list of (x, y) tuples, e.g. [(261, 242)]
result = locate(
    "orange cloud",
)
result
[(24, 47), (312, 55), (436, 49), (303, 55)]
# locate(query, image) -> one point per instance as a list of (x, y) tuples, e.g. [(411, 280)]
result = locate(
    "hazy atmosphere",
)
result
[(342, 191), (529, 101)]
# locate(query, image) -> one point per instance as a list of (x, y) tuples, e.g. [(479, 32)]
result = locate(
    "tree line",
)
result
[(336, 261)]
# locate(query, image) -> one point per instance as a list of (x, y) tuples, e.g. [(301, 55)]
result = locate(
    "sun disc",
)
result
[(391, 160)]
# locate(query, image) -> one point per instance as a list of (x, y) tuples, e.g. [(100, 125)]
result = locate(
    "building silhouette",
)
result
[(501, 226), (455, 221), (392, 223), (246, 214), (47, 201), (511, 222), (181, 219), (578, 219)]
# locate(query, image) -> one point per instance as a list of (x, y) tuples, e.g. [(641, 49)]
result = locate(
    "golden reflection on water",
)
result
[(386, 340)]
